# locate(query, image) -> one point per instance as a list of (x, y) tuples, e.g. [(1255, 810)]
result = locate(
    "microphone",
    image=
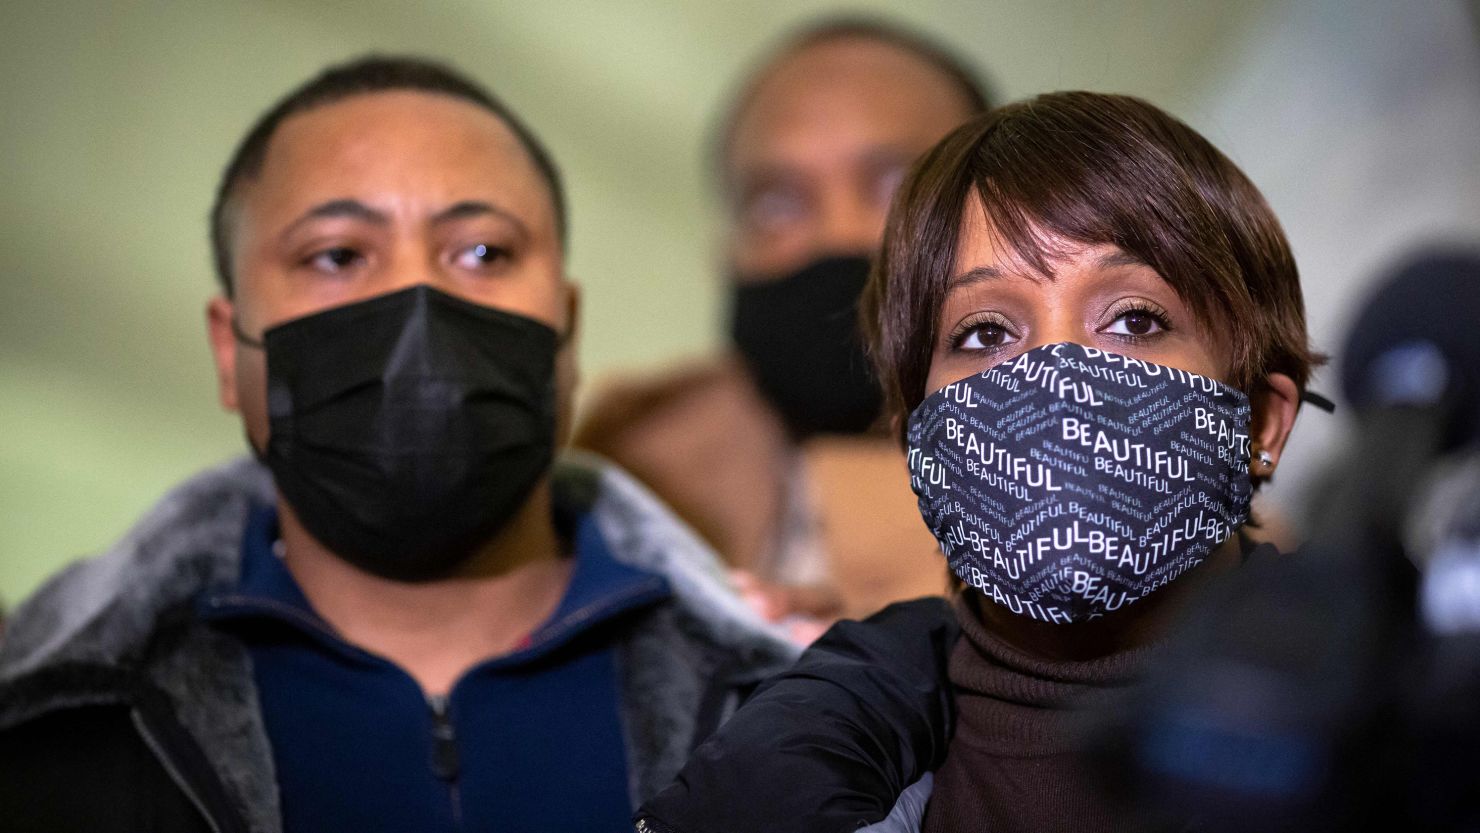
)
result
[(1302, 694), (1416, 344), (1415, 350)]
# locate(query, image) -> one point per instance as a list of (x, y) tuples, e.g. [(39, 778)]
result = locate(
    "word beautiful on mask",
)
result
[(406, 429), (1069, 482)]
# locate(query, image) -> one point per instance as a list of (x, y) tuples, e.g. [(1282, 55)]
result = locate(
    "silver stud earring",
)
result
[(1266, 460)]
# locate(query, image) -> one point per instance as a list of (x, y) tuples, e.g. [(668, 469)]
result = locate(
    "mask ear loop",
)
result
[(246, 340), (1318, 401), (241, 335)]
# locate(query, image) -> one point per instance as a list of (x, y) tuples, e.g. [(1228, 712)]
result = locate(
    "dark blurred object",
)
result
[(1417, 344), (1323, 691)]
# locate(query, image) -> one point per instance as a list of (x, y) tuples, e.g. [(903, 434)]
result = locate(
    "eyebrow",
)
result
[(970, 277), (347, 208), (478, 208), (974, 276), (355, 210), (743, 185), (1111, 260)]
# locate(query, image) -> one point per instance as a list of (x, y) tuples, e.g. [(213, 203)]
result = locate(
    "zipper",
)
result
[(155, 746), (446, 763), (153, 717), (648, 824)]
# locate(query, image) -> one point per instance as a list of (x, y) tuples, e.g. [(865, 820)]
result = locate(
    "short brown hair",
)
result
[(362, 76), (955, 70), (1093, 169)]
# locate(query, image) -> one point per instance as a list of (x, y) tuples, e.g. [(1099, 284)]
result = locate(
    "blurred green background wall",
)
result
[(115, 119)]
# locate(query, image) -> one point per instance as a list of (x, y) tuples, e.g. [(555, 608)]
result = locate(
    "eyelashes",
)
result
[(1136, 318), (971, 329), (1131, 321), (481, 257), (333, 259)]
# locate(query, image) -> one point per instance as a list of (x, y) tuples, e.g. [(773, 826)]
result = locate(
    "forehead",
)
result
[(848, 89), (981, 243), (404, 147)]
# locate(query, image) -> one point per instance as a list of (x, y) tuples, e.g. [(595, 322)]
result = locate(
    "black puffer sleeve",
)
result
[(828, 745)]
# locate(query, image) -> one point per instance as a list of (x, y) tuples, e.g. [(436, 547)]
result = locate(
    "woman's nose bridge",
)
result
[(1058, 324)]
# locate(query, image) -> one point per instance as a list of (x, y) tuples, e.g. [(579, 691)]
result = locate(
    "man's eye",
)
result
[(1137, 322), (886, 182), (334, 260), (480, 256), (774, 208)]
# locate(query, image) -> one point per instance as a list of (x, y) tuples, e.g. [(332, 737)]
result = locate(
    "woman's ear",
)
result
[(1272, 415)]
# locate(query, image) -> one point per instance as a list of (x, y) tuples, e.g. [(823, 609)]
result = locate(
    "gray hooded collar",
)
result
[(130, 609)]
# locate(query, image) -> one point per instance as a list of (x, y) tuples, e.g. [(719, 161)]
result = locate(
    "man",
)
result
[(403, 618), (773, 453)]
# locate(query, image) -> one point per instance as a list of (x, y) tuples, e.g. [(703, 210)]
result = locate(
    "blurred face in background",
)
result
[(818, 146)]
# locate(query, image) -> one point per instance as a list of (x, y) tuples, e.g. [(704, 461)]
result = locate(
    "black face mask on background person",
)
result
[(405, 430), (799, 337)]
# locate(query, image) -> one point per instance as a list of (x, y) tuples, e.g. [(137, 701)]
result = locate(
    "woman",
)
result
[(1090, 329)]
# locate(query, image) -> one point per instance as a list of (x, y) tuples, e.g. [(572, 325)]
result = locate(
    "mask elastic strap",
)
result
[(1318, 400), (241, 335)]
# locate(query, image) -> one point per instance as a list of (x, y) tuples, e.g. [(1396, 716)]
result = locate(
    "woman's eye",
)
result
[(1137, 322), (480, 256), (984, 336), (334, 260)]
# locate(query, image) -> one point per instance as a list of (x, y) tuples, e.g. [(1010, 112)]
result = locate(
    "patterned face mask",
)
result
[(1069, 482)]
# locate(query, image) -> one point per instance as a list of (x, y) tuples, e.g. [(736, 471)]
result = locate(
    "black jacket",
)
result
[(829, 745)]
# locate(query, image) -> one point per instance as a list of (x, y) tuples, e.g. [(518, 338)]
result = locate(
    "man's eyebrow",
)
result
[(348, 208), (743, 185), (477, 208), (974, 276), (884, 156)]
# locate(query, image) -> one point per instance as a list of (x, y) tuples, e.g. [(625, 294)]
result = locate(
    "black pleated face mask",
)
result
[(408, 428), (799, 337)]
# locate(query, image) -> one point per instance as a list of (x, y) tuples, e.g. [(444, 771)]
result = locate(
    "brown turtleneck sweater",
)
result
[(1011, 765)]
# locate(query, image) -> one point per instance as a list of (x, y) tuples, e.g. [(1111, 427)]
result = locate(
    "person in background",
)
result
[(775, 451), (404, 614)]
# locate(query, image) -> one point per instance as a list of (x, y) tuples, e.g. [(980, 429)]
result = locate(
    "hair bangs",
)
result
[(1072, 169), (1072, 182)]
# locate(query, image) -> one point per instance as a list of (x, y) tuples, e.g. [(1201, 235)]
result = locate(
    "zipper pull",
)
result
[(444, 741)]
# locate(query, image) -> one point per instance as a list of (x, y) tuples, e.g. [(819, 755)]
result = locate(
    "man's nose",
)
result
[(849, 224), (411, 264)]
